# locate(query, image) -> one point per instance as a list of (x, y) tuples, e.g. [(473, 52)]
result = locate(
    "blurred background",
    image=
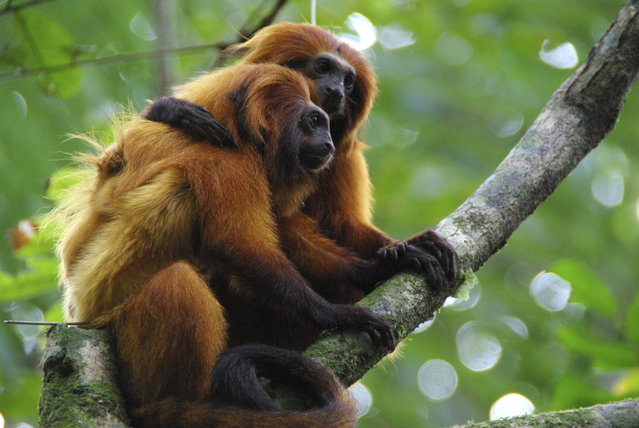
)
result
[(553, 322)]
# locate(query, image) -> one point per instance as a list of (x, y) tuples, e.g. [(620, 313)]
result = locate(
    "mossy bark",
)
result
[(80, 380), (624, 414)]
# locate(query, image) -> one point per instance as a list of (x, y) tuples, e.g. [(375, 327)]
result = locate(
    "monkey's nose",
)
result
[(332, 99), (334, 90)]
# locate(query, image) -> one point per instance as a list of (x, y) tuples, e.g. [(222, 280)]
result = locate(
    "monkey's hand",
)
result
[(194, 120), (433, 244), (426, 254), (350, 317)]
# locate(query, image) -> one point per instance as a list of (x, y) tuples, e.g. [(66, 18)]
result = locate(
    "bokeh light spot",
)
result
[(550, 291), (608, 188), (395, 37), (437, 379), (516, 325), (21, 103), (563, 56), (141, 27), (468, 301), (477, 349), (424, 326), (366, 34), (511, 405), (363, 397)]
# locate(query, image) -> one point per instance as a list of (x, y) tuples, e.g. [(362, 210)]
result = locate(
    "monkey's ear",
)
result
[(243, 119)]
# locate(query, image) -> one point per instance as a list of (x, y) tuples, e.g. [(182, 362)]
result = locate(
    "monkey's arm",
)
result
[(333, 271), (192, 119), (339, 275), (342, 206), (238, 228)]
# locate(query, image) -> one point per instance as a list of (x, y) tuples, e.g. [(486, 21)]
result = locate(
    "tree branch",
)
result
[(164, 28), (136, 56), (577, 117), (80, 380), (623, 414), (244, 33), (574, 121), (9, 7)]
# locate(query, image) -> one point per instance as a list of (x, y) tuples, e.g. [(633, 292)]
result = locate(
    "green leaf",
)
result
[(40, 277), (55, 313), (628, 385), (45, 43), (18, 401), (632, 321), (573, 392), (606, 355), (586, 287)]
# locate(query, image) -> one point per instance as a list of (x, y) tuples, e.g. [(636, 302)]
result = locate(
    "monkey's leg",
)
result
[(168, 336)]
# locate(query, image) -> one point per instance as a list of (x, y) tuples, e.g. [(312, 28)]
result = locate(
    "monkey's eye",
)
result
[(322, 66), (314, 120), (349, 81)]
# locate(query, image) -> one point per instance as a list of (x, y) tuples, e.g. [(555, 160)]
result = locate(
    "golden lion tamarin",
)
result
[(174, 212), (331, 240)]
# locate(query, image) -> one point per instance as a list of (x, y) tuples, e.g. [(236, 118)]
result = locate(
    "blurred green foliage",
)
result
[(451, 105)]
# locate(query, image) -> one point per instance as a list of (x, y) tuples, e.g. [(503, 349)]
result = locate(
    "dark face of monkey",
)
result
[(317, 147), (334, 79)]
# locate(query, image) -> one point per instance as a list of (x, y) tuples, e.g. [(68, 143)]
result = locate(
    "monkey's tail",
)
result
[(242, 401)]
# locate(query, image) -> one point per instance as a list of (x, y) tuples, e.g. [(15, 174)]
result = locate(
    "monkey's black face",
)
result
[(334, 79), (317, 147)]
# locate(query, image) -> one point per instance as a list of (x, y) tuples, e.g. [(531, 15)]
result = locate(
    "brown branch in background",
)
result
[(137, 56), (29, 38), (268, 19), (141, 56), (164, 75), (9, 8), (245, 33)]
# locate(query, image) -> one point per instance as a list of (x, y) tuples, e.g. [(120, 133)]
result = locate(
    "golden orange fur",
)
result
[(331, 240), (133, 257), (342, 204)]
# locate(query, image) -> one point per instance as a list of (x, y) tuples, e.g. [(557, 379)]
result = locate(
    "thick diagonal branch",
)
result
[(577, 117)]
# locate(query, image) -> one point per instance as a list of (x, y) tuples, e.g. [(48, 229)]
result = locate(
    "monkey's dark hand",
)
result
[(426, 254), (402, 256), (350, 317), (194, 120), (436, 246)]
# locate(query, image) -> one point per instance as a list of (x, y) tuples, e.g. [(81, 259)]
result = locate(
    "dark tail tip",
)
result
[(241, 375)]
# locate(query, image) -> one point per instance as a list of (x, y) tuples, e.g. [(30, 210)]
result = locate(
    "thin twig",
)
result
[(20, 322), (9, 8), (243, 34), (137, 56), (164, 75), (269, 18)]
